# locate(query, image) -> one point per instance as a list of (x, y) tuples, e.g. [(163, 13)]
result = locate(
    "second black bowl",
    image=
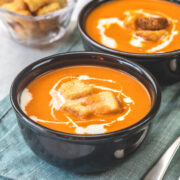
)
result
[(164, 66)]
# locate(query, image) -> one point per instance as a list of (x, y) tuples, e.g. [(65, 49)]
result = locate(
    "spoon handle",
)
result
[(158, 170)]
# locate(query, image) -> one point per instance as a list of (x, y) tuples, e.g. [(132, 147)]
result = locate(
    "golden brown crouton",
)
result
[(151, 23), (24, 12), (10, 7), (21, 4), (4, 1), (151, 35), (63, 3), (76, 108), (102, 103), (49, 8), (17, 6), (75, 89), (34, 5), (129, 23)]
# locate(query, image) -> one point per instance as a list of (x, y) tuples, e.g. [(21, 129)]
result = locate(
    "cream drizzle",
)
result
[(58, 100), (165, 41), (135, 41), (34, 118), (103, 24), (141, 11), (85, 77), (128, 100), (25, 98), (121, 118), (91, 129), (98, 128)]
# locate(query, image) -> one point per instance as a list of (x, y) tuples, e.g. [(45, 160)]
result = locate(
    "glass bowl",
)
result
[(39, 30)]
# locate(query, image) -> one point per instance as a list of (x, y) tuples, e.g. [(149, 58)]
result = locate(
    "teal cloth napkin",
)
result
[(17, 161)]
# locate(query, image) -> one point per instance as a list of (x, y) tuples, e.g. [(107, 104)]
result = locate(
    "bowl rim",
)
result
[(41, 17), (47, 131), (80, 23)]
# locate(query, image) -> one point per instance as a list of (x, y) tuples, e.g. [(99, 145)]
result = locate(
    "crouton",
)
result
[(151, 23), (34, 5), (63, 3), (49, 8), (4, 1), (75, 89), (102, 103), (10, 7), (151, 35), (21, 4), (76, 108), (24, 12), (129, 23), (17, 6)]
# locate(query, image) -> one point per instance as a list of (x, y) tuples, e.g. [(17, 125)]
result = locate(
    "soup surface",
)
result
[(137, 26), (85, 100)]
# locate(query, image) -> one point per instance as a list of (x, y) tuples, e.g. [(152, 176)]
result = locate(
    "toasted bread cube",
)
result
[(34, 5), (17, 6), (63, 3), (4, 2), (75, 89), (151, 35), (21, 4), (24, 12), (102, 103), (49, 8), (76, 108), (10, 7), (129, 23), (152, 23)]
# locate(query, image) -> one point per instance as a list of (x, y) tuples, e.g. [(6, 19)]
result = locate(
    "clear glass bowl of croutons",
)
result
[(36, 22)]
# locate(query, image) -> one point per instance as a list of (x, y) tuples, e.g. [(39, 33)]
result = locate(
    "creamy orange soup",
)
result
[(85, 100), (138, 26)]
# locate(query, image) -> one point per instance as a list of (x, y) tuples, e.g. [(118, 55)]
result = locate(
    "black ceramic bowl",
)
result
[(164, 66), (83, 153)]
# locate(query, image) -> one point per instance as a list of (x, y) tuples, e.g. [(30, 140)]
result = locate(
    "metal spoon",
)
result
[(158, 170)]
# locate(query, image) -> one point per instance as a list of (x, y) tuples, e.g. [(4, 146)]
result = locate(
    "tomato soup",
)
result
[(85, 100), (136, 26)]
